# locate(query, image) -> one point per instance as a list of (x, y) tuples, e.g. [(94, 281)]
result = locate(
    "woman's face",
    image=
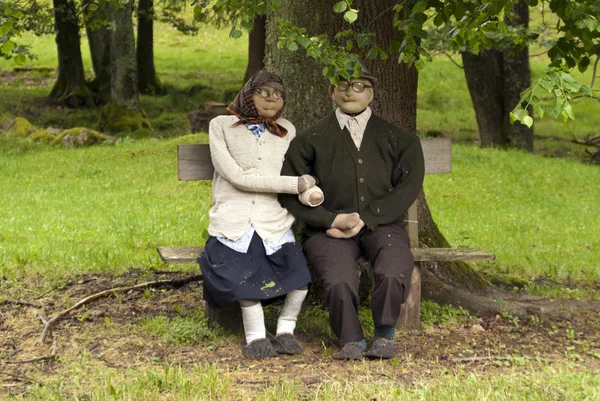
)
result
[(268, 100)]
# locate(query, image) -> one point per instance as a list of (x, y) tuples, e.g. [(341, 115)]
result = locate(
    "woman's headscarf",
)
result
[(244, 108)]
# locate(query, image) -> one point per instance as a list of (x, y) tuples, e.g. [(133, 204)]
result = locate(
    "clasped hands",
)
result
[(346, 225), (307, 182)]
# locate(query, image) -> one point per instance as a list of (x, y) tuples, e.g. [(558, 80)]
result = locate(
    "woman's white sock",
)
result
[(289, 313), (254, 322)]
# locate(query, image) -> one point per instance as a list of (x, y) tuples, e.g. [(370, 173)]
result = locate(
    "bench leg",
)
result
[(410, 314), (229, 318)]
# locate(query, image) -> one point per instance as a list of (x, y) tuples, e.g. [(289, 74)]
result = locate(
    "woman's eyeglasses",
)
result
[(357, 87), (265, 93)]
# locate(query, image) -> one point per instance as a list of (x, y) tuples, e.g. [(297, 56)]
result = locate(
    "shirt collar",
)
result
[(362, 119)]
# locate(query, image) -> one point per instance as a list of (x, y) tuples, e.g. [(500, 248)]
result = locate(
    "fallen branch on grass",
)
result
[(48, 324), (497, 358), (20, 378), (19, 302)]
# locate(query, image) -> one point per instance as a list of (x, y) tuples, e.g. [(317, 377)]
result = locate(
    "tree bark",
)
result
[(395, 101), (70, 88), (148, 81), (517, 78), (123, 113), (256, 47), (495, 79), (99, 41)]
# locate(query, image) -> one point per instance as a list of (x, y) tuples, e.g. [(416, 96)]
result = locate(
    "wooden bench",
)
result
[(195, 164)]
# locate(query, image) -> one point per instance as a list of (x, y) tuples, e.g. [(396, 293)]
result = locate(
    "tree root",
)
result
[(494, 301), (48, 324)]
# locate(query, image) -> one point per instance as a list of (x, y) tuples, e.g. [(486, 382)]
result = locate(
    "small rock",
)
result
[(54, 131), (477, 328)]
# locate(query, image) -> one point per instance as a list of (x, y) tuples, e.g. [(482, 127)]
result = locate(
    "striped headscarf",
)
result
[(244, 108)]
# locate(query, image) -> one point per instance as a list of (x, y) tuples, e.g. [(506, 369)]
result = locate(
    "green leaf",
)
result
[(235, 33), (438, 20), (20, 59), (583, 64), (329, 71), (349, 45), (569, 110), (528, 121), (17, 14), (292, 45), (539, 110), (340, 7), (304, 41), (8, 47), (419, 7), (351, 16)]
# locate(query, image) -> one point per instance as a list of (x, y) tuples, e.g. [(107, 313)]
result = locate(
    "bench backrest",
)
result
[(195, 164)]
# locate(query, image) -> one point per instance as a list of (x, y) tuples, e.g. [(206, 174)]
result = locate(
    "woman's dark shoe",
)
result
[(259, 349), (286, 343)]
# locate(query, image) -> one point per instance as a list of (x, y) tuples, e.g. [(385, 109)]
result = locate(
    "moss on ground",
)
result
[(81, 137), (22, 127), (43, 136), (116, 118)]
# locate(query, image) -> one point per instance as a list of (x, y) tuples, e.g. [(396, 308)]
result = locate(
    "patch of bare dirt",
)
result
[(107, 332), (41, 76)]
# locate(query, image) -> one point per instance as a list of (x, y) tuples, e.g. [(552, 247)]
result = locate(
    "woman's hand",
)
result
[(305, 182)]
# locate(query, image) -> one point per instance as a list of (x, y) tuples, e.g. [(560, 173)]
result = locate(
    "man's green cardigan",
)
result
[(379, 182)]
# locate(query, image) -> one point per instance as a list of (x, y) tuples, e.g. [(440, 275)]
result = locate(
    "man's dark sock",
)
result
[(388, 332)]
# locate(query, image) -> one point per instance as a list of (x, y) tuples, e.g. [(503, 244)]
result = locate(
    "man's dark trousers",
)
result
[(387, 248)]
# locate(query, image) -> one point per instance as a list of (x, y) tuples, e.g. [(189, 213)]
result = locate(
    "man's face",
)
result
[(268, 100), (349, 100)]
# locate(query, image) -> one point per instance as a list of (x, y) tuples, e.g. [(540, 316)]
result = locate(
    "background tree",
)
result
[(496, 78), (148, 81), (96, 17), (256, 46), (70, 87), (123, 113)]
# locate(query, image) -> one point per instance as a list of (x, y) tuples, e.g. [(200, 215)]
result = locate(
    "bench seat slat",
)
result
[(189, 254)]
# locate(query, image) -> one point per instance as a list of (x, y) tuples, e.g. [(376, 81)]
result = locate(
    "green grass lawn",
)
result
[(107, 207)]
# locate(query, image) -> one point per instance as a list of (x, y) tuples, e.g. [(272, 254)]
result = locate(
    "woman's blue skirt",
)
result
[(229, 275)]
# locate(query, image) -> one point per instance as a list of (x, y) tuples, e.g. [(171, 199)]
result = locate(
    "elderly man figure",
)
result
[(370, 172)]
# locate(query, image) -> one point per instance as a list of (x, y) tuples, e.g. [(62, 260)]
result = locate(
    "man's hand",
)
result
[(305, 182), (345, 221), (347, 233)]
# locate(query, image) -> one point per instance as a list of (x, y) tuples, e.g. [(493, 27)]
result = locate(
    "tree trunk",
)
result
[(148, 81), (395, 100), (495, 79), (517, 78), (123, 113), (99, 41), (256, 47), (485, 81), (70, 88)]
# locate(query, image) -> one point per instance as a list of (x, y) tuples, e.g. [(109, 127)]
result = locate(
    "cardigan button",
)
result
[(361, 180), (362, 198), (360, 161)]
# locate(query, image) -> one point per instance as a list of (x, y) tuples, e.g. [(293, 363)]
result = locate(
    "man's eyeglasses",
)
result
[(265, 93), (358, 87)]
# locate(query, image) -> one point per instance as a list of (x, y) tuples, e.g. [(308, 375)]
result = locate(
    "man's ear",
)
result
[(330, 91), (371, 95)]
